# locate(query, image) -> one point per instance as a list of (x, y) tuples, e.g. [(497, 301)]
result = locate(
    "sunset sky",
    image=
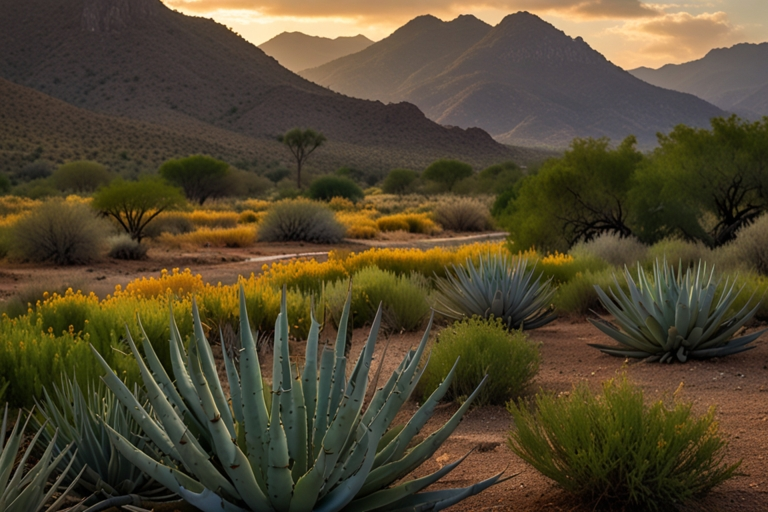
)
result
[(630, 33)]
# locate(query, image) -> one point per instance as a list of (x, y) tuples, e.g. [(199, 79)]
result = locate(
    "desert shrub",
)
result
[(123, 247), (614, 450), (358, 224), (399, 181), (677, 251), (37, 170), (614, 249), (241, 236), (341, 204), (410, 222), (463, 214), (200, 176), (300, 220), (326, 188), (249, 217), (214, 219), (81, 177), (447, 172), (6, 239), (483, 347), (60, 232), (404, 299), (256, 205), (174, 223), (564, 267), (578, 296), (749, 249)]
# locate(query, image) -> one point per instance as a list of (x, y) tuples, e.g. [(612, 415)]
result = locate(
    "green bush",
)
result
[(612, 248), (399, 181), (123, 247), (749, 249), (447, 172), (578, 296), (404, 299), (463, 214), (175, 223), (81, 177), (677, 251), (300, 220), (484, 347), (59, 232), (326, 188), (614, 450)]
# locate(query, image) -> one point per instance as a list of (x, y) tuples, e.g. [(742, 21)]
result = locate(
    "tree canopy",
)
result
[(447, 172), (134, 204), (302, 143), (704, 184), (200, 176), (576, 197), (399, 181), (80, 177)]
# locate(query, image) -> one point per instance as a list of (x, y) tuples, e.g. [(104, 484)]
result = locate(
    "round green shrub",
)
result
[(326, 188), (123, 247), (60, 232), (399, 181), (615, 451), (509, 359), (300, 220)]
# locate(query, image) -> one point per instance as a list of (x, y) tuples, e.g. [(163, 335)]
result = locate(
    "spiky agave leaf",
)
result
[(676, 316), (24, 489), (80, 418), (497, 287), (314, 448)]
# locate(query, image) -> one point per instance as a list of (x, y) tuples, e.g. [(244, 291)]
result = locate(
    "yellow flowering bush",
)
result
[(359, 224), (179, 283), (214, 219), (241, 236)]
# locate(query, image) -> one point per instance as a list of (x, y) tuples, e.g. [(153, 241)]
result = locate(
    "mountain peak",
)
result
[(115, 15)]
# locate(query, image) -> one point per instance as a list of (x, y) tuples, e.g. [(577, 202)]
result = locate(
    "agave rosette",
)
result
[(677, 316), (312, 447), (497, 287)]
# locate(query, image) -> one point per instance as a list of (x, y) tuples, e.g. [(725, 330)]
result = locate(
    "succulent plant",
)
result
[(73, 417), (314, 448), (676, 317), (497, 287), (23, 489)]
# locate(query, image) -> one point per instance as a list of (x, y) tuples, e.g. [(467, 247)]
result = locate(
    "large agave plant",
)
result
[(24, 490), (73, 417), (499, 288), (676, 317), (314, 448)]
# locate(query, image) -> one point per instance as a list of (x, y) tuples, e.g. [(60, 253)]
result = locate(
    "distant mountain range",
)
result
[(523, 81), (138, 59), (734, 79), (297, 51)]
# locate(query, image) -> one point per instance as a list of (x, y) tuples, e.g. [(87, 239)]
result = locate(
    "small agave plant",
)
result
[(82, 418), (315, 447), (23, 490), (678, 317), (497, 287)]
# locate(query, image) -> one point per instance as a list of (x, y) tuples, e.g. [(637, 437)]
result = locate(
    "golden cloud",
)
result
[(682, 35), (586, 9)]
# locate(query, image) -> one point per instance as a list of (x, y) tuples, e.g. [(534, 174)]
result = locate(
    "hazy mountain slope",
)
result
[(419, 49), (734, 79), (528, 83), (139, 59), (297, 51)]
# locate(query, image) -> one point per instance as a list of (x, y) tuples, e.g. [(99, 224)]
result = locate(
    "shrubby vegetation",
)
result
[(326, 188), (614, 450), (300, 220)]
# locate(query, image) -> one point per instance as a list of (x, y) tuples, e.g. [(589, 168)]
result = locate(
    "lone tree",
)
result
[(202, 177), (302, 143), (134, 204), (447, 172)]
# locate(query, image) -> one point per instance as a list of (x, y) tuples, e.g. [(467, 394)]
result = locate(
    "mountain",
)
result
[(523, 81), (734, 79), (297, 51), (140, 60)]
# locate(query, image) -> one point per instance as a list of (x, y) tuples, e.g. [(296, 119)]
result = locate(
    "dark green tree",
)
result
[(399, 181), (576, 197), (80, 177), (200, 176), (134, 204), (704, 184), (447, 172), (302, 143), (326, 188), (498, 177)]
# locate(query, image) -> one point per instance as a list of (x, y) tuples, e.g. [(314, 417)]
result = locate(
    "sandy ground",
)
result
[(737, 385)]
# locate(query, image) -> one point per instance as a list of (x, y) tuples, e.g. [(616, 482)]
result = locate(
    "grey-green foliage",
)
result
[(82, 419), (314, 448), (497, 287), (676, 316), (23, 488)]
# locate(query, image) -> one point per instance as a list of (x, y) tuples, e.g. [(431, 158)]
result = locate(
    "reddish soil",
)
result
[(736, 385)]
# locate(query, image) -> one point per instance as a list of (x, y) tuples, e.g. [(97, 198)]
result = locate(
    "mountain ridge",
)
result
[(298, 51), (527, 83)]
